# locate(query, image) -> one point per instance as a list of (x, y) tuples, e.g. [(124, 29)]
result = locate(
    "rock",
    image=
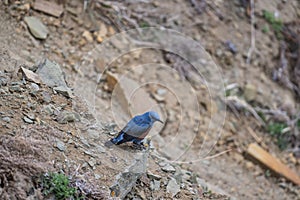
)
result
[(99, 39), (36, 27), (102, 30), (67, 116), (60, 145), (2, 91), (153, 176), (30, 75), (51, 74), (101, 149), (97, 176), (15, 88), (92, 162), (30, 116), (84, 141), (127, 179), (48, 7), (88, 36), (159, 95), (250, 92), (112, 80), (27, 120), (67, 92), (46, 97), (173, 187), (168, 168), (6, 119), (155, 185), (34, 87), (49, 109), (24, 7)]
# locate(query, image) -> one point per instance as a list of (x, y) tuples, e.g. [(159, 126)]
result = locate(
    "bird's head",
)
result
[(155, 117)]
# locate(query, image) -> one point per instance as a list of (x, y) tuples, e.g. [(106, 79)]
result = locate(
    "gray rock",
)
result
[(67, 116), (49, 109), (84, 141), (60, 145), (93, 133), (34, 87), (155, 185), (67, 92), (51, 74), (168, 168), (27, 120), (92, 162), (101, 149), (97, 176), (127, 179), (15, 88), (153, 176), (30, 116), (6, 119), (2, 91), (173, 187), (46, 97), (36, 27)]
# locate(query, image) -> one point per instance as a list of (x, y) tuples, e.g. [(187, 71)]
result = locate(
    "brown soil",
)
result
[(29, 150)]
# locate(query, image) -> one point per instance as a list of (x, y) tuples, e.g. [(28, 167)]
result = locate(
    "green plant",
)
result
[(59, 185), (266, 29), (276, 130), (144, 24), (276, 23)]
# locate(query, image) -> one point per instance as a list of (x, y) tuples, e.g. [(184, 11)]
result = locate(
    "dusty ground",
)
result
[(32, 148)]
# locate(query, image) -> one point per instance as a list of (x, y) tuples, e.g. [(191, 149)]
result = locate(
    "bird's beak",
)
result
[(160, 121)]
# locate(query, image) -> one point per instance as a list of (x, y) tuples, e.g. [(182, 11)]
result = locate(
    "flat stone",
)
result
[(173, 187), (60, 145), (15, 88), (67, 116), (67, 92), (155, 185), (27, 120), (48, 109), (168, 168), (36, 27), (51, 74), (6, 119), (48, 7), (101, 149), (34, 87), (153, 176), (30, 75), (92, 162), (127, 179), (46, 97)]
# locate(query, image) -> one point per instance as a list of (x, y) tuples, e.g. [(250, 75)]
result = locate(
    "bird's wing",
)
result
[(137, 126)]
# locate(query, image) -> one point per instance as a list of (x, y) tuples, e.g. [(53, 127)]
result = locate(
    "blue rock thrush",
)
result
[(136, 129)]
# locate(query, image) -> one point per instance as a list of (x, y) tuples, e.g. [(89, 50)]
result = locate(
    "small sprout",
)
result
[(278, 130), (59, 185), (276, 23), (266, 29), (144, 25)]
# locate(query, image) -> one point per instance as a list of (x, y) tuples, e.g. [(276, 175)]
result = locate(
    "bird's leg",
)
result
[(138, 143)]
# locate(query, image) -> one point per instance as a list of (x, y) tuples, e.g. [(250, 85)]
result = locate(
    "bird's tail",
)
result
[(117, 140)]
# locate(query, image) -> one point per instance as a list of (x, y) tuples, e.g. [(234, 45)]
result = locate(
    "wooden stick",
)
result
[(274, 164)]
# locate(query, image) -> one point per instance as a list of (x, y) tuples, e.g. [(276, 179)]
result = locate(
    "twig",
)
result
[(238, 104), (252, 47), (217, 155)]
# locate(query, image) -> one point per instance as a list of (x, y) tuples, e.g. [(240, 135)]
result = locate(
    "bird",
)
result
[(136, 129)]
